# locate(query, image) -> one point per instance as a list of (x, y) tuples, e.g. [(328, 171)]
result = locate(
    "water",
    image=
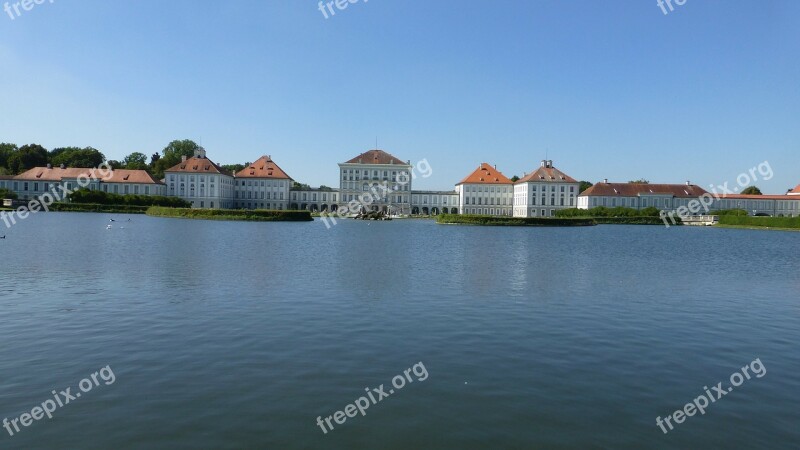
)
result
[(239, 335)]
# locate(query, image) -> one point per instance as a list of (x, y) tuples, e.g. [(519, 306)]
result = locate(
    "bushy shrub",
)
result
[(729, 212), (5, 193), (106, 198), (602, 211)]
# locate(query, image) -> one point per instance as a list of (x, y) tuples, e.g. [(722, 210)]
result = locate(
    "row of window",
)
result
[(490, 189), (487, 201), (488, 211), (394, 198), (114, 188), (434, 200), (264, 195), (552, 188), (323, 196), (200, 178)]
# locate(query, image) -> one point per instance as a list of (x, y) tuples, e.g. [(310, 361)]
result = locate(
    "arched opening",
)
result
[(435, 211), (324, 208), (453, 210), (314, 208), (425, 211), (304, 207), (415, 210), (334, 208), (293, 206)]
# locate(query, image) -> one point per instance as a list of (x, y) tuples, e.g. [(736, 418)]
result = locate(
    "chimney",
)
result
[(688, 183), (605, 181), (49, 166), (183, 158), (63, 166), (550, 164), (544, 163)]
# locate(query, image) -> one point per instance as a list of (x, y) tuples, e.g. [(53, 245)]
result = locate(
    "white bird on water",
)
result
[(108, 227)]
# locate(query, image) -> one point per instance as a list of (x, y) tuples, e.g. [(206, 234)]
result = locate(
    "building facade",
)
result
[(38, 181), (486, 191), (315, 200), (434, 203), (262, 185), (545, 191), (378, 181), (666, 197), (201, 182), (761, 205)]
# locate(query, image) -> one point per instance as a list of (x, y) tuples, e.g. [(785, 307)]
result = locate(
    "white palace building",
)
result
[(486, 191)]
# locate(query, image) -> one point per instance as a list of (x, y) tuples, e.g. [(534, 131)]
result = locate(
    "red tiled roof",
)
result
[(56, 174), (550, 174), (796, 190), (485, 174), (198, 165), (264, 167), (636, 189), (376, 157)]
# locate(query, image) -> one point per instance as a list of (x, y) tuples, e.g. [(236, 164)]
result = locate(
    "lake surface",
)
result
[(239, 335)]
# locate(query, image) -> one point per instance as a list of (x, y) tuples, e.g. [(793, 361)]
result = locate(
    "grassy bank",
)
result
[(91, 207), (776, 223), (512, 221), (231, 214)]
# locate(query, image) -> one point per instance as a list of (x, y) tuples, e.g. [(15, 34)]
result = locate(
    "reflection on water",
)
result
[(238, 335)]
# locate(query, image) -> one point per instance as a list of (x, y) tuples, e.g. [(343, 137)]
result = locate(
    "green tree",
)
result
[(235, 168), (514, 179), (6, 150), (300, 186), (639, 181), (584, 186), (752, 190), (172, 155), (27, 157), (76, 157), (136, 161)]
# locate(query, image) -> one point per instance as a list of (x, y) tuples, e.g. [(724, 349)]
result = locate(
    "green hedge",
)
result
[(106, 198), (729, 212), (231, 214), (6, 193), (89, 207), (761, 222), (511, 221), (602, 211)]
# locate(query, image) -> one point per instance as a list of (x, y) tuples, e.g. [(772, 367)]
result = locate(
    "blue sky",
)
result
[(608, 89)]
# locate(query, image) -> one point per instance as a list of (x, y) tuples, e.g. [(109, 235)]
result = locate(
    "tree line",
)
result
[(15, 160)]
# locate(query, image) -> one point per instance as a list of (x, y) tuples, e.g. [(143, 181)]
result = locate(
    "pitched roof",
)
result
[(56, 174), (264, 167), (796, 191), (485, 174), (547, 174), (130, 176), (636, 189), (196, 164), (376, 157)]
